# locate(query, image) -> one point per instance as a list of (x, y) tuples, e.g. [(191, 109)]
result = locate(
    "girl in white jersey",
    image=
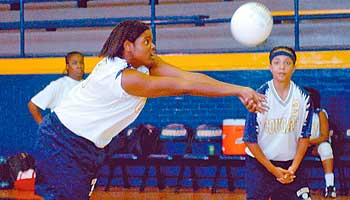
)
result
[(52, 94), (320, 143), (277, 139), (73, 140)]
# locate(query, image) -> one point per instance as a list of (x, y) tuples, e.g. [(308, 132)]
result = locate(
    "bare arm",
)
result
[(139, 84), (278, 172), (35, 111), (324, 129), (302, 146), (202, 85)]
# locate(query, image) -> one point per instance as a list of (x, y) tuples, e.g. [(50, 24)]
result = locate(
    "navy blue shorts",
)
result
[(261, 184), (66, 163)]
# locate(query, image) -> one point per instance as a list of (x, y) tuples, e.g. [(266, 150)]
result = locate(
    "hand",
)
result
[(284, 176), (314, 151), (253, 101), (291, 170)]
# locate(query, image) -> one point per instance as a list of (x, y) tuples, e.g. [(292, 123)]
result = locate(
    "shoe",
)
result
[(330, 192)]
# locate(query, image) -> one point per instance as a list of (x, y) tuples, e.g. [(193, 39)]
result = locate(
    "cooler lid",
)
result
[(233, 122)]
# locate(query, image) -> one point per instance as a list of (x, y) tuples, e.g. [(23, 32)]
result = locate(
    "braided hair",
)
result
[(315, 97), (70, 54), (127, 30)]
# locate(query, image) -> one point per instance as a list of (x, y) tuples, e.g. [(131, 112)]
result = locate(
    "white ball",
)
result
[(251, 24)]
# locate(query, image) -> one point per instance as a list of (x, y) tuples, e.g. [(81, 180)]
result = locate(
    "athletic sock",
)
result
[(329, 179)]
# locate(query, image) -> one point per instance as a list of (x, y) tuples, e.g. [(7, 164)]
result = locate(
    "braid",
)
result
[(68, 55), (315, 97), (127, 30)]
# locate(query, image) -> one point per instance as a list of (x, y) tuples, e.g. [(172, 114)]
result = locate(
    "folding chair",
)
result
[(233, 155), (206, 148), (141, 142), (119, 157), (173, 144)]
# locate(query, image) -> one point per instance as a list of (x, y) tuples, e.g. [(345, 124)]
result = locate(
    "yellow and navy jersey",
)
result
[(277, 131)]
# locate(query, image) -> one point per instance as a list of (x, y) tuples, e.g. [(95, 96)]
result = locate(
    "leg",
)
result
[(66, 163), (326, 154), (286, 194), (298, 189), (259, 182), (327, 166)]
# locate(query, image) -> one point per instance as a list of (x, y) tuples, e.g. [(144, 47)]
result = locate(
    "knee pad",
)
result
[(304, 193), (325, 151)]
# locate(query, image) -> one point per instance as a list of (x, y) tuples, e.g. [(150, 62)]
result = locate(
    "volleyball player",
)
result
[(72, 139), (278, 139), (52, 94)]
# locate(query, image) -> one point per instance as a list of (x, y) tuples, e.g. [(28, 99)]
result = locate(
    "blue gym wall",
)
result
[(18, 129)]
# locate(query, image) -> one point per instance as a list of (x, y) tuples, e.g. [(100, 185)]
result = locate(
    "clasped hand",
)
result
[(285, 176)]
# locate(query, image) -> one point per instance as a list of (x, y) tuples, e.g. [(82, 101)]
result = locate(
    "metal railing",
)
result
[(15, 3), (153, 20)]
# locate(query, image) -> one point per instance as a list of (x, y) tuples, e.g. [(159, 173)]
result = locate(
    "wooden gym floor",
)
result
[(152, 193)]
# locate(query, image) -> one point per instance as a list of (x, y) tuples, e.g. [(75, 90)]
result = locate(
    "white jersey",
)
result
[(277, 131), (98, 108), (53, 93), (315, 130)]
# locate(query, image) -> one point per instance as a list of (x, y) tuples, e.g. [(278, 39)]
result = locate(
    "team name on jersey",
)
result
[(283, 125)]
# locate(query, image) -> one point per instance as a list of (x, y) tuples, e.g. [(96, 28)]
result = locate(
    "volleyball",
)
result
[(251, 24)]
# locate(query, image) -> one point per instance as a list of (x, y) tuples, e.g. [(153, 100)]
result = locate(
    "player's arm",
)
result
[(324, 129), (302, 146), (250, 139), (140, 84), (43, 100), (260, 156), (35, 111), (252, 100), (304, 140), (278, 172)]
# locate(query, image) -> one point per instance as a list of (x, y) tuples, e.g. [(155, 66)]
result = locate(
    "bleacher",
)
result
[(65, 25)]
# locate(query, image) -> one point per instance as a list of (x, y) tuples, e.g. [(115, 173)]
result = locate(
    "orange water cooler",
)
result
[(232, 135)]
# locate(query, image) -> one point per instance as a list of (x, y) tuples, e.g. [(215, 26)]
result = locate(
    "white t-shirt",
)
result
[(98, 108), (315, 130), (53, 93), (277, 131)]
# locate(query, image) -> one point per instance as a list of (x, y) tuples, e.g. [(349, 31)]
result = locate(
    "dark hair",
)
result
[(127, 30), (72, 53), (315, 97), (283, 50)]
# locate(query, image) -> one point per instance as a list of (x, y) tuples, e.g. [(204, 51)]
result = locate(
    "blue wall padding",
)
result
[(18, 129)]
